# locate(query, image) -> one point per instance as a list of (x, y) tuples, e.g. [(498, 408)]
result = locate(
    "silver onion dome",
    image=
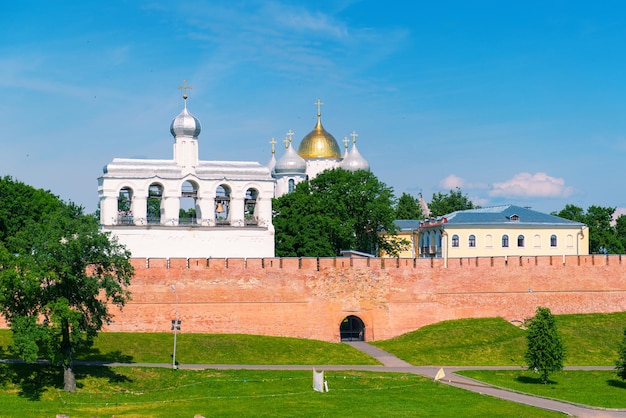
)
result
[(354, 160), (271, 163), (185, 124), (291, 162)]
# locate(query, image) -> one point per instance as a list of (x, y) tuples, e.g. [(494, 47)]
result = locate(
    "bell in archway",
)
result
[(220, 207)]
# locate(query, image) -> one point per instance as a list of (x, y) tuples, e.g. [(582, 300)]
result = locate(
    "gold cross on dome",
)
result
[(273, 142), (345, 142), (184, 88), (290, 135), (319, 106), (354, 135), (287, 141)]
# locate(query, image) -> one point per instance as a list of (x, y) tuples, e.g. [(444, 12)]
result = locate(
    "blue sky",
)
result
[(513, 102)]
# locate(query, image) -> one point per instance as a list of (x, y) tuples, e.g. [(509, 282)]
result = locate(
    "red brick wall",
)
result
[(309, 297)]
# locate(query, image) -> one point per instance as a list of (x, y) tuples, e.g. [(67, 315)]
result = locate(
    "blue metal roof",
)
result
[(407, 224), (505, 214)]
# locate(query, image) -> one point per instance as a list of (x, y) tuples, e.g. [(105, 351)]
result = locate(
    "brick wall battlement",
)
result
[(316, 264), (310, 297)]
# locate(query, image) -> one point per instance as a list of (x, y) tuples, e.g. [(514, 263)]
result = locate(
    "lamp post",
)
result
[(175, 327)]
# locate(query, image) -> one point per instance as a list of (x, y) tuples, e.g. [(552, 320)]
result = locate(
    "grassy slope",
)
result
[(590, 339), (213, 349)]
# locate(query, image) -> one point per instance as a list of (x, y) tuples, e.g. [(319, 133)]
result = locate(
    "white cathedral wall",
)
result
[(221, 242), (316, 166), (282, 183)]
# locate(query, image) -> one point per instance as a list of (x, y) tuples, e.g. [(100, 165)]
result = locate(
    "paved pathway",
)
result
[(393, 363)]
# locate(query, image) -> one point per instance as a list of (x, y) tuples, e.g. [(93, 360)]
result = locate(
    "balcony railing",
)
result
[(251, 221), (430, 251)]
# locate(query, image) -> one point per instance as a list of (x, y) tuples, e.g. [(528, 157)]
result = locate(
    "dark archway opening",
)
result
[(352, 329)]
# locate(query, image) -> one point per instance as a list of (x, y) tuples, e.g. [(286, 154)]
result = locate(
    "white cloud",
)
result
[(532, 185), (302, 20), (452, 182)]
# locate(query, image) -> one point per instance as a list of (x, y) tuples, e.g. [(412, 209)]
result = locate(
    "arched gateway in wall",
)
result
[(352, 328)]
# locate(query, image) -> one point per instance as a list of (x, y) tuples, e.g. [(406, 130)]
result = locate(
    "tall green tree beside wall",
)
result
[(620, 364), (58, 276), (545, 352), (21, 204), (337, 210), (408, 207), (604, 236), (444, 203)]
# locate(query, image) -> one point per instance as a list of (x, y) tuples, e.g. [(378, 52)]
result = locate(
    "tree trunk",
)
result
[(69, 379)]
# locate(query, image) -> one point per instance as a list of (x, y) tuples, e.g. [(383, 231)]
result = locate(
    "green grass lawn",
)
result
[(595, 388), (589, 339), (36, 390), (213, 349), (154, 392)]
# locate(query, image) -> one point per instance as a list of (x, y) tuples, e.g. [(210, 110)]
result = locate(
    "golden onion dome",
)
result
[(319, 143)]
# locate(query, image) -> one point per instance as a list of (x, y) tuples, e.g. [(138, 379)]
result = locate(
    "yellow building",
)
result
[(407, 230), (501, 231)]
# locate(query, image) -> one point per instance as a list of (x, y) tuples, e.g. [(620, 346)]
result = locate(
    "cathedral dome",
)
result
[(354, 160), (319, 143), (185, 124), (289, 163)]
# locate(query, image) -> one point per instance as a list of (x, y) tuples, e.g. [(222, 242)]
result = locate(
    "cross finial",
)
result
[(184, 88), (273, 142), (319, 107), (290, 135), (345, 142), (287, 141), (354, 135)]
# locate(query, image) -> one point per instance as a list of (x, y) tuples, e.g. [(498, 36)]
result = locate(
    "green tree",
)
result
[(20, 204), (602, 234), (604, 237), (571, 212), (56, 283), (620, 230), (444, 203), (337, 210), (408, 207), (545, 352), (620, 364)]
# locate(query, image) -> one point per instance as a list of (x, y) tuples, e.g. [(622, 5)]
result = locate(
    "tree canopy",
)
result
[(408, 207), (21, 204), (337, 210), (444, 203), (58, 273), (545, 352), (620, 364), (604, 236)]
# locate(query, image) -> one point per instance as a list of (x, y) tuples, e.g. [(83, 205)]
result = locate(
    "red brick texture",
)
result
[(310, 297)]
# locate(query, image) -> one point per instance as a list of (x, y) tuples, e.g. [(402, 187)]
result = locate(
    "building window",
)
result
[(472, 241), (520, 240), (537, 241), (488, 241), (552, 240), (292, 185), (455, 240), (505, 241)]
